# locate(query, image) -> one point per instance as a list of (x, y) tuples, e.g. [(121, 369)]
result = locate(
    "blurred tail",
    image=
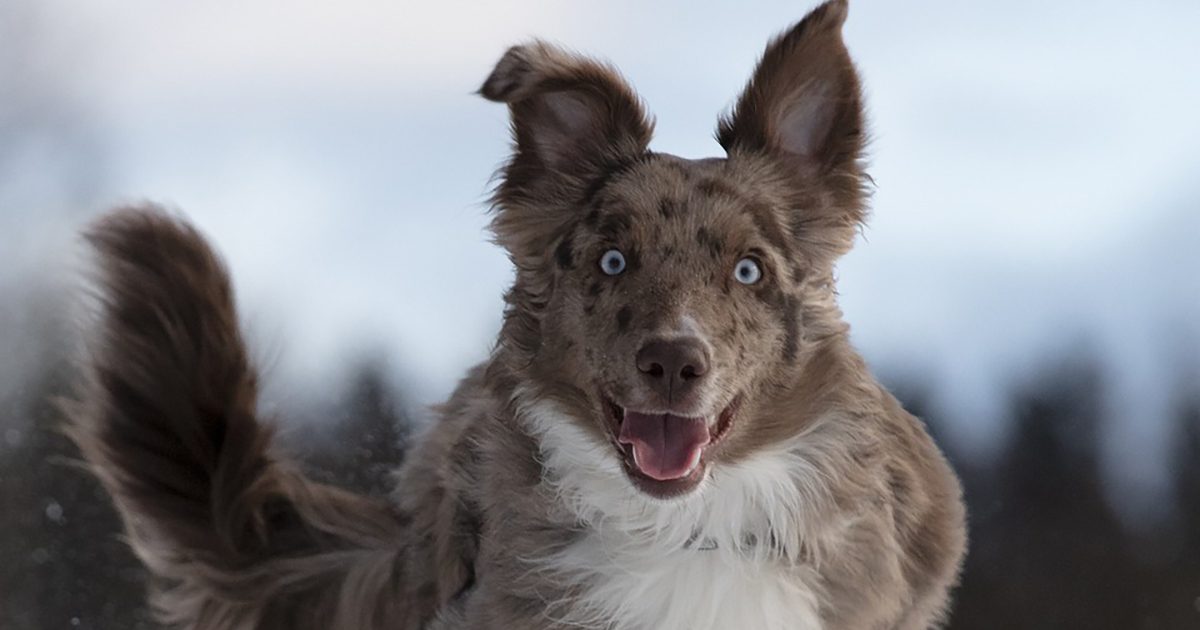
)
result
[(166, 418)]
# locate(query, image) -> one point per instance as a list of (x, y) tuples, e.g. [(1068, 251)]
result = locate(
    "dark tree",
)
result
[(64, 564), (365, 445), (1047, 550), (1177, 595)]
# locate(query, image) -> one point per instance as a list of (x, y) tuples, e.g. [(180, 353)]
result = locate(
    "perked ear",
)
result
[(804, 104), (573, 120), (571, 116)]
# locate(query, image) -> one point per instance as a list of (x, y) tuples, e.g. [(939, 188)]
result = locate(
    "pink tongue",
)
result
[(664, 446)]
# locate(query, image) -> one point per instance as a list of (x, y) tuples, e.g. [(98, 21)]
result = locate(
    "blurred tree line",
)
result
[(1048, 549)]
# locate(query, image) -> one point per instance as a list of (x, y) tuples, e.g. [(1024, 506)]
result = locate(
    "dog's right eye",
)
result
[(747, 271), (612, 262)]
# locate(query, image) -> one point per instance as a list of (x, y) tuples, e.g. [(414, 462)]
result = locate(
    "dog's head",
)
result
[(671, 304)]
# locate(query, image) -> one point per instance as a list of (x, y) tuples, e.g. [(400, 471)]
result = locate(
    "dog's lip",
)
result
[(663, 489), (616, 417)]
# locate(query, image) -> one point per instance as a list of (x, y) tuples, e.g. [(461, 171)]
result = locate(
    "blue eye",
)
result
[(747, 271), (612, 262)]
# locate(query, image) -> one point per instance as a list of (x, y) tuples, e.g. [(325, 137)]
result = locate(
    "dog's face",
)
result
[(669, 304)]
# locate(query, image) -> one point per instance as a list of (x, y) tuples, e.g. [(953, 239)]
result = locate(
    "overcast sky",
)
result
[(1036, 165)]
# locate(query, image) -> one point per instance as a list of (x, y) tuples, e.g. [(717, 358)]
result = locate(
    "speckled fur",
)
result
[(822, 505)]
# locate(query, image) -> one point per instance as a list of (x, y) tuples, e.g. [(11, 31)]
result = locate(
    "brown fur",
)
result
[(167, 420), (242, 541)]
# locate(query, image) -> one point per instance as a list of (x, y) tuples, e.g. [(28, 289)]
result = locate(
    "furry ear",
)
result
[(572, 117), (575, 122), (804, 104)]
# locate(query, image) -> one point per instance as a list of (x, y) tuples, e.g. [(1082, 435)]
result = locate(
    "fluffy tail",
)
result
[(166, 418)]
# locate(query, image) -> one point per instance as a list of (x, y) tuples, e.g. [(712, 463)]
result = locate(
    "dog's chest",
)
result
[(641, 587), (728, 556)]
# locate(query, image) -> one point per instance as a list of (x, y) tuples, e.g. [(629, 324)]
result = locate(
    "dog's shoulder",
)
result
[(433, 491)]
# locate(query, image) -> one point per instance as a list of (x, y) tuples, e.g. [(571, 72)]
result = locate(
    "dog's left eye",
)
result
[(612, 262), (747, 271)]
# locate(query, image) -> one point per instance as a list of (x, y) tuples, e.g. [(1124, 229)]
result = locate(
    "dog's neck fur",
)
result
[(758, 508), (726, 542)]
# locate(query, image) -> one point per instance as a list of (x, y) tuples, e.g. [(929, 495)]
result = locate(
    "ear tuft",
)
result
[(571, 115), (803, 101), (831, 15), (574, 119), (513, 72)]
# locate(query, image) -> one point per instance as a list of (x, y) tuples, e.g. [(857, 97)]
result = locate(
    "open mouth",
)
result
[(664, 453)]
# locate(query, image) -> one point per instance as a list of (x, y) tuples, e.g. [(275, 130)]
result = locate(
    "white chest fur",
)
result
[(683, 589), (725, 557)]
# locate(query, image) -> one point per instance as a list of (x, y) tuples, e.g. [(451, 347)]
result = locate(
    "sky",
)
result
[(1036, 168)]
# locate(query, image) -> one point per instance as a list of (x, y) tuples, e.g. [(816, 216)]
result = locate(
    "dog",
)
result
[(672, 432)]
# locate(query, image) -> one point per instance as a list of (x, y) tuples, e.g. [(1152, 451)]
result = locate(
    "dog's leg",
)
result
[(166, 418)]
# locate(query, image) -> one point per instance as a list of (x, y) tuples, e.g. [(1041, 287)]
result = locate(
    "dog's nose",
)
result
[(673, 367)]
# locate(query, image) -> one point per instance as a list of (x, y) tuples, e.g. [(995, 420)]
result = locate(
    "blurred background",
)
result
[(1027, 283)]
